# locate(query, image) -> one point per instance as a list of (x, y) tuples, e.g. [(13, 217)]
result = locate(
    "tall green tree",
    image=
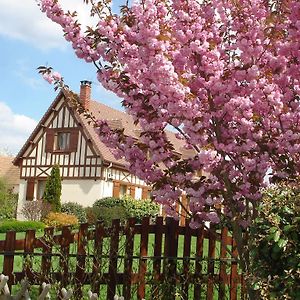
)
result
[(52, 192)]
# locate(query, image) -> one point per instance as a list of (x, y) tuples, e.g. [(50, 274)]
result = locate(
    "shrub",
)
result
[(52, 192), (60, 219), (108, 202), (20, 226), (35, 210), (110, 208), (275, 245), (73, 208), (8, 201), (140, 208)]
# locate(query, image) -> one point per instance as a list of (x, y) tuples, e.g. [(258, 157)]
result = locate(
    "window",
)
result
[(62, 141), (58, 140), (41, 189), (123, 190)]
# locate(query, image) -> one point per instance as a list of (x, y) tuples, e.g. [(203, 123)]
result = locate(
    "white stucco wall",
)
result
[(21, 198), (82, 191)]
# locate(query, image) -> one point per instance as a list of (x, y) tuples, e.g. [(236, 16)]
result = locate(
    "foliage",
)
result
[(55, 219), (110, 208), (35, 210), (8, 201), (20, 226), (52, 192), (140, 208), (275, 245), (73, 208)]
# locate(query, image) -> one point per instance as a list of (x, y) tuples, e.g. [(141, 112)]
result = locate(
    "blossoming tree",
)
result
[(224, 74)]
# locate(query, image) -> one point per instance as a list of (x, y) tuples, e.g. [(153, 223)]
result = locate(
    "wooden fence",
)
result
[(152, 260)]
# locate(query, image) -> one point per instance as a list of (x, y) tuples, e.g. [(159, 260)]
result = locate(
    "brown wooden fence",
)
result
[(152, 260)]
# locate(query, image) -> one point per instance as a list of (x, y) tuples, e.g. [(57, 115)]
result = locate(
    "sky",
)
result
[(28, 39)]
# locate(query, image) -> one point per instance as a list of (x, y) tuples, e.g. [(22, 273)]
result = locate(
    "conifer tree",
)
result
[(52, 192)]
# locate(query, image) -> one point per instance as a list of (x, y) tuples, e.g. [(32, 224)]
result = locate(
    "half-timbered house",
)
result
[(88, 169)]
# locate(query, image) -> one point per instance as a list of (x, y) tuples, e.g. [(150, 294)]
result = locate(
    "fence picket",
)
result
[(234, 273), (211, 266), (97, 260), (198, 263), (65, 240), (29, 250), (170, 254), (186, 260), (143, 261), (113, 260), (8, 263), (223, 255), (129, 231), (81, 257), (47, 242), (157, 255)]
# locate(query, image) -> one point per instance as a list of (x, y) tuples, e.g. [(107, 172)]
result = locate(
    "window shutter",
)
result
[(145, 192), (74, 140), (116, 189), (49, 140), (30, 189), (132, 191)]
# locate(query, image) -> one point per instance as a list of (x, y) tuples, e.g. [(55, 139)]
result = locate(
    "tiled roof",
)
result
[(117, 119), (10, 172)]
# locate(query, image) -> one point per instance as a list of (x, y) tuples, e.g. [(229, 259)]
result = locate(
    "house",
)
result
[(10, 173), (88, 169)]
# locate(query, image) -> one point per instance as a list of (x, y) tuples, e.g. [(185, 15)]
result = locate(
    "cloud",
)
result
[(23, 20), (14, 129)]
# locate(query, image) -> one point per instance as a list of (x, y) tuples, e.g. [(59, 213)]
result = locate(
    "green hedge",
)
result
[(73, 208), (109, 208), (275, 244), (20, 226)]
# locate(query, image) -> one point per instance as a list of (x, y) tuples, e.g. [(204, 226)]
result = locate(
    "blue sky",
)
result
[(27, 40)]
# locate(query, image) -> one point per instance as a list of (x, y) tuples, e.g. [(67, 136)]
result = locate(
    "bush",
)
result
[(8, 201), (60, 219), (140, 208), (35, 210), (275, 245), (73, 208), (110, 208), (20, 226)]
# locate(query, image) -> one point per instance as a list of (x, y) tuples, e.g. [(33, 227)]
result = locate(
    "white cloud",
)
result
[(23, 20), (14, 129)]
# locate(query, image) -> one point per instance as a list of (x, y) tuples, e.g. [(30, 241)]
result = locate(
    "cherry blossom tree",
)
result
[(224, 74)]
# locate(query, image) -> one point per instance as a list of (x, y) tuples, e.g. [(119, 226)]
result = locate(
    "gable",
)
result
[(78, 160)]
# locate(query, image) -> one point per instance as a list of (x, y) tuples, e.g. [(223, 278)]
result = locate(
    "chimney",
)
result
[(85, 93)]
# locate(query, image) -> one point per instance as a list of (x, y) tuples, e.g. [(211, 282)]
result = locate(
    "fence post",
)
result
[(29, 249), (170, 252), (80, 265), (129, 231), (8, 263), (113, 259)]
